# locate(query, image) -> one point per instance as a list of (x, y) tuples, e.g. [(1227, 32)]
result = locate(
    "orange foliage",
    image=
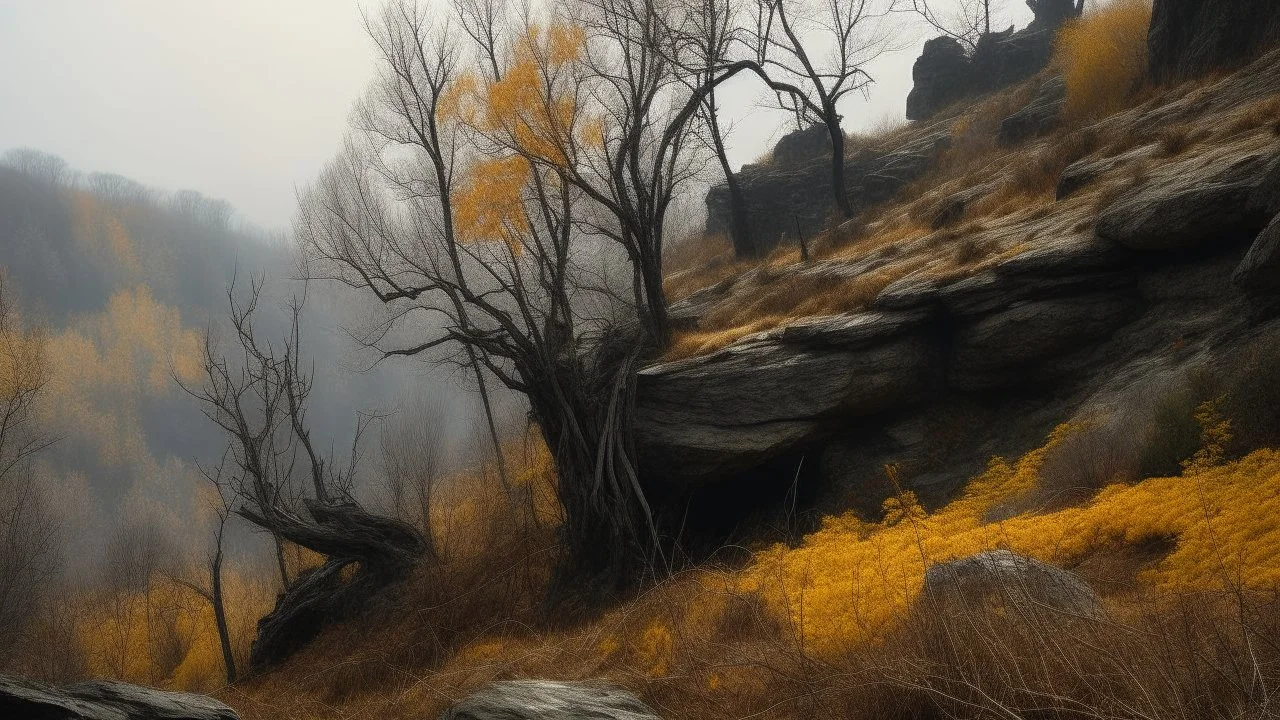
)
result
[(531, 114)]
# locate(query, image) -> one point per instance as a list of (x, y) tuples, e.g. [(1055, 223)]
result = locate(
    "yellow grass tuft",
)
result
[(1103, 56)]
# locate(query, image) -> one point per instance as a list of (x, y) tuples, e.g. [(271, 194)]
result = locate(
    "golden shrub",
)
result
[(1103, 57)]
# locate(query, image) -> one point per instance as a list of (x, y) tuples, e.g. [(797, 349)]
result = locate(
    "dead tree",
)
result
[(27, 530), (813, 54), (967, 20), (260, 403), (705, 35)]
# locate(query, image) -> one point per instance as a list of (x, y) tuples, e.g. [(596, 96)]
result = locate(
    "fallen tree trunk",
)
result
[(382, 551)]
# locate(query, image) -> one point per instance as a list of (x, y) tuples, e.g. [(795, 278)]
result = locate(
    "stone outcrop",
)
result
[(945, 72), (104, 700), (942, 75), (730, 410), (1191, 37), (841, 395), (1260, 268), (1004, 578), (803, 147), (785, 202), (547, 700), (1187, 207)]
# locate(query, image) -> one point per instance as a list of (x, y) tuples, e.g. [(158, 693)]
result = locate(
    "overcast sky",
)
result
[(246, 99)]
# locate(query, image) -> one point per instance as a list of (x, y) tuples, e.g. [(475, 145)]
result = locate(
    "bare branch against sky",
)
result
[(246, 100)]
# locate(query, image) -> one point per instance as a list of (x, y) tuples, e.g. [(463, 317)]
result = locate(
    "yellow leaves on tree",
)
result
[(103, 364), (490, 203), (101, 234), (529, 114), (164, 634)]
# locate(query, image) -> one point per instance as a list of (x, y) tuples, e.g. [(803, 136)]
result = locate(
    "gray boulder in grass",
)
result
[(104, 700), (550, 700), (1004, 577), (1188, 207)]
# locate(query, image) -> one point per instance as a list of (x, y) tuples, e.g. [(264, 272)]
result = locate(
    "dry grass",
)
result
[(1103, 56), (704, 646)]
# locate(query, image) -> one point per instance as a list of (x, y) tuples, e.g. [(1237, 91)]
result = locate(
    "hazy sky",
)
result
[(244, 99)]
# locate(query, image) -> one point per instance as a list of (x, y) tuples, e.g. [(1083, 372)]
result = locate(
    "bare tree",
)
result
[(27, 529), (965, 20), (41, 165), (223, 508), (708, 30), (413, 456), (260, 403), (789, 39)]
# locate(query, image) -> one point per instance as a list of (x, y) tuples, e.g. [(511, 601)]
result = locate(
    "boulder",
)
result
[(1004, 58), (942, 75), (1260, 268), (1188, 207), (1006, 578), (1039, 116), (784, 202), (803, 147), (104, 700), (1190, 37), (548, 700)]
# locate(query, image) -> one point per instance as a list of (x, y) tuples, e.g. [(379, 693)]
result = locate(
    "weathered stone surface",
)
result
[(1260, 268), (1039, 116), (1000, 349), (945, 72), (104, 700), (1191, 37), (993, 292), (1069, 258), (1011, 580), (786, 202), (803, 147), (1084, 172), (548, 700), (952, 208), (725, 412), (942, 75), (1188, 207)]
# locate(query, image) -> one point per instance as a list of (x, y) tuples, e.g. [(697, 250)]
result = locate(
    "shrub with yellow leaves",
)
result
[(1103, 57)]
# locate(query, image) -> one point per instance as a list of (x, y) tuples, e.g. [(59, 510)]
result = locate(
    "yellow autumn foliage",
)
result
[(530, 114), (850, 581), (1103, 56), (165, 634)]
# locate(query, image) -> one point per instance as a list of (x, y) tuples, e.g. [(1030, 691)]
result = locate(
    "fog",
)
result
[(246, 100)]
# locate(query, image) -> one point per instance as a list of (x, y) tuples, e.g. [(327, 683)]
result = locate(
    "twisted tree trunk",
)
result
[(382, 550)]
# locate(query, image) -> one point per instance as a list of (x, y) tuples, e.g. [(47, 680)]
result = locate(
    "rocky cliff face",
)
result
[(792, 198), (947, 72), (1191, 37), (1148, 262)]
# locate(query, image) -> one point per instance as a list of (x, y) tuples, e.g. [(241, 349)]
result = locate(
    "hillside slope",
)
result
[(1055, 347)]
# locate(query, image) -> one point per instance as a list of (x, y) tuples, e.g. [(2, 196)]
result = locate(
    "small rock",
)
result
[(1011, 579), (547, 700), (104, 700), (1260, 268)]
